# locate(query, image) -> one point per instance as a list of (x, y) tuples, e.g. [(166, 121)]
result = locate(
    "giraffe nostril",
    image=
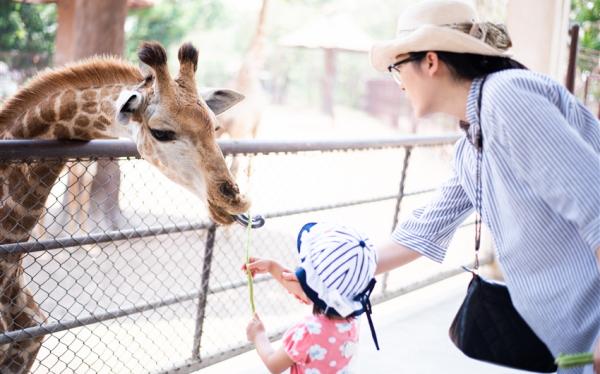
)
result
[(229, 190)]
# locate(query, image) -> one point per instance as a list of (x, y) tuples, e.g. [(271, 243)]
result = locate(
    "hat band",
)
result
[(492, 34)]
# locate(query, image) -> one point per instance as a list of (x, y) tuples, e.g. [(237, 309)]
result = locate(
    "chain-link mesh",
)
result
[(132, 277)]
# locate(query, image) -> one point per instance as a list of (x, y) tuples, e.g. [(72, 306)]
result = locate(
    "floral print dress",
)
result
[(319, 345)]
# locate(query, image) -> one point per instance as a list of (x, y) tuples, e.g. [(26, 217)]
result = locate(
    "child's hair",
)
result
[(317, 311)]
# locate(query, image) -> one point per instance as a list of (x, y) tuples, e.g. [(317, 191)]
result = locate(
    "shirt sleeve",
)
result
[(296, 343), (430, 228), (551, 157)]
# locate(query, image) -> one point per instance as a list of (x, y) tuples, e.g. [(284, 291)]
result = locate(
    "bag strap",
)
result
[(478, 142)]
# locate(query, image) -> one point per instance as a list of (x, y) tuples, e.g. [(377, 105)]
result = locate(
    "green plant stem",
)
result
[(248, 272), (574, 360)]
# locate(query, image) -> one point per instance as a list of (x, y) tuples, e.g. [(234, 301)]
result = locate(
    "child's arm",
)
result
[(259, 265), (276, 361)]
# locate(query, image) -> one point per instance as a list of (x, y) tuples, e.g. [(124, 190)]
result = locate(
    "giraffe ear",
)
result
[(220, 100), (127, 103)]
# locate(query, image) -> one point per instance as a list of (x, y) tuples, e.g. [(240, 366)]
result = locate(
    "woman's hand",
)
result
[(254, 328)]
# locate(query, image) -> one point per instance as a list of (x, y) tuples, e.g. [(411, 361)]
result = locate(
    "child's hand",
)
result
[(255, 327), (258, 266)]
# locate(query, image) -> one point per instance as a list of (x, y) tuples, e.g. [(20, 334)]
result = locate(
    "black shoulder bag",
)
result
[(487, 326)]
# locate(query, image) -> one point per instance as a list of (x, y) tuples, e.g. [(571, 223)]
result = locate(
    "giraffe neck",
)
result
[(75, 102), (247, 78), (82, 114)]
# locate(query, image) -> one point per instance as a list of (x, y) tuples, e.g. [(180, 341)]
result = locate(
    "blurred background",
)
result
[(305, 56)]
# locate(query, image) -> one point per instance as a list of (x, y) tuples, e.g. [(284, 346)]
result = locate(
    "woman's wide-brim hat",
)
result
[(442, 25)]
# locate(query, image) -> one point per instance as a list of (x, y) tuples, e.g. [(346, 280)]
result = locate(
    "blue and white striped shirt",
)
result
[(540, 199)]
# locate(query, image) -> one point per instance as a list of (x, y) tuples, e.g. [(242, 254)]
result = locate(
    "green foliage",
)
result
[(168, 21), (587, 14), (29, 30)]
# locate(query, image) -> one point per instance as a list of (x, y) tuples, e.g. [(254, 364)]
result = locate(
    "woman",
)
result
[(540, 170)]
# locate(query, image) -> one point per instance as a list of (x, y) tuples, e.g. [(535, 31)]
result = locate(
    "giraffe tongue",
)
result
[(242, 219)]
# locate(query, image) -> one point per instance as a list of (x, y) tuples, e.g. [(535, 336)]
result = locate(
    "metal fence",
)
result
[(158, 287)]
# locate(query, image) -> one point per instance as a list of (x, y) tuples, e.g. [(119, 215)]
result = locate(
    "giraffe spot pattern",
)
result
[(81, 121), (80, 133), (61, 132), (89, 95), (105, 91), (90, 107), (103, 120), (100, 126), (36, 128), (106, 107), (68, 106), (47, 110)]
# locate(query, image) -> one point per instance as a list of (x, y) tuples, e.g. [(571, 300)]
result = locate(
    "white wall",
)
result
[(539, 31)]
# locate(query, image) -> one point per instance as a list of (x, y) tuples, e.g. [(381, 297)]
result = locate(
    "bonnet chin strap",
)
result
[(363, 298)]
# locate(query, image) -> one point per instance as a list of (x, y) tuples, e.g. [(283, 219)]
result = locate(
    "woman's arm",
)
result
[(392, 255)]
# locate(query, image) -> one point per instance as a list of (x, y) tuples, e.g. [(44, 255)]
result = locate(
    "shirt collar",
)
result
[(472, 126)]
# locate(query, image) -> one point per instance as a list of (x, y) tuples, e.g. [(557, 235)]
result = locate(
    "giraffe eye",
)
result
[(163, 135)]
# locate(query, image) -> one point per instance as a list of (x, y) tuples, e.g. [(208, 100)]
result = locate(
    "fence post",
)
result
[(571, 67), (200, 312), (407, 152)]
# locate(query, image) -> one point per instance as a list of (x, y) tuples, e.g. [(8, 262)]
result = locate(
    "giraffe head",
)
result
[(174, 129)]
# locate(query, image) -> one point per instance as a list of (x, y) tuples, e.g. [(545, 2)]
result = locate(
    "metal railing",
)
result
[(116, 297)]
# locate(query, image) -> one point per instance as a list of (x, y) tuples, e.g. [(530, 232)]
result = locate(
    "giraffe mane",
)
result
[(95, 71)]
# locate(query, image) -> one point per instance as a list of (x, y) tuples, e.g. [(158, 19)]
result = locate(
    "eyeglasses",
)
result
[(394, 68)]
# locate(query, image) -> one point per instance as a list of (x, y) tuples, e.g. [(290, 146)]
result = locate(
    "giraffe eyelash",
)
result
[(163, 135)]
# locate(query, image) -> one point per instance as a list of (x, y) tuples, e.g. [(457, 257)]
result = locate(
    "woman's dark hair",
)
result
[(469, 65)]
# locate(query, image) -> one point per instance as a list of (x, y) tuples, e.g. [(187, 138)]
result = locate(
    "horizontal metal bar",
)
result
[(111, 236), (339, 205), (31, 332), (15, 150), (108, 236), (276, 146)]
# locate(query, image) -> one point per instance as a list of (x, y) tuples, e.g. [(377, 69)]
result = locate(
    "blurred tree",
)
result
[(28, 29), (587, 14), (168, 21)]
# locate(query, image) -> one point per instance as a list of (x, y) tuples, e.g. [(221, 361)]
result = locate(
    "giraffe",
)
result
[(172, 125), (243, 121)]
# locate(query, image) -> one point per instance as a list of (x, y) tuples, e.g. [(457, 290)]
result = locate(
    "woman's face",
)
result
[(417, 79)]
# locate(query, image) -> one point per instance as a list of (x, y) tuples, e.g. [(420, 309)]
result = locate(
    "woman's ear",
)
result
[(432, 62)]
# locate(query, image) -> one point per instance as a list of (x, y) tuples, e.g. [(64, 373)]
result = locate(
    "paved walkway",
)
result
[(413, 336)]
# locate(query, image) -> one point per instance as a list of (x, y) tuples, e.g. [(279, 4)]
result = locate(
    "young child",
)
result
[(336, 272)]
